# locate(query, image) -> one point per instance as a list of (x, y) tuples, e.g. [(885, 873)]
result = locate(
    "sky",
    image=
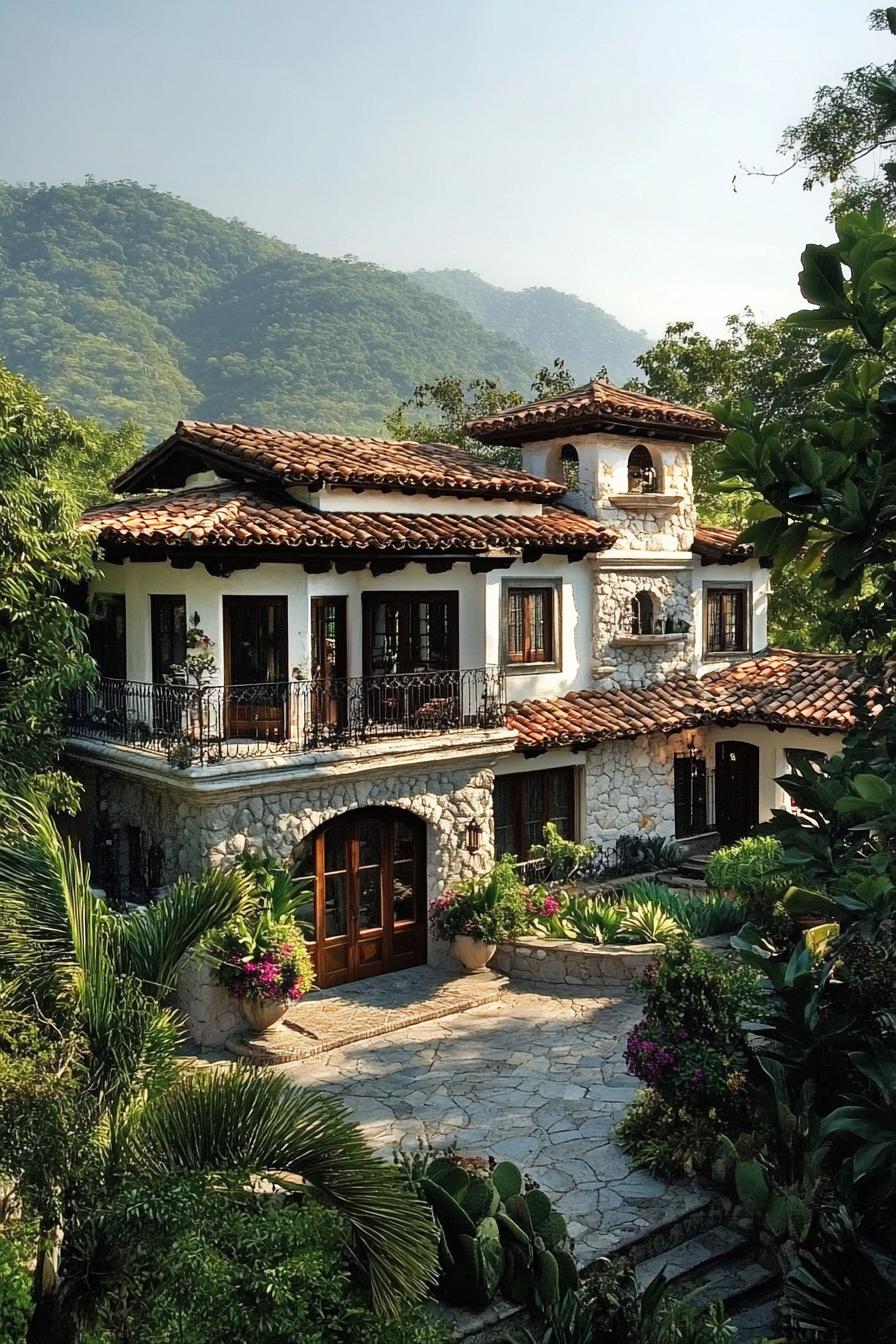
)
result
[(588, 145)]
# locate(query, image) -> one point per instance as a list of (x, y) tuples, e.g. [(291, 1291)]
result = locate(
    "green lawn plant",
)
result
[(489, 908), (498, 1233)]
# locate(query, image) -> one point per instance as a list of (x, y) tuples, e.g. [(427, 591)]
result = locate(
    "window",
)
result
[(524, 803), (643, 477), (531, 624), (727, 619), (410, 632), (642, 614), (569, 465), (108, 636), (168, 628)]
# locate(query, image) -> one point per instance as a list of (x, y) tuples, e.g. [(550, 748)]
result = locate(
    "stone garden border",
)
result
[(561, 961)]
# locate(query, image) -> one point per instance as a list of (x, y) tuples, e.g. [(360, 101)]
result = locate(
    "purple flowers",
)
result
[(646, 1058), (542, 907), (277, 967)]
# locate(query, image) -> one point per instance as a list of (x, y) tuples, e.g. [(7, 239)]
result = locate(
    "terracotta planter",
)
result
[(263, 1013), (474, 953)]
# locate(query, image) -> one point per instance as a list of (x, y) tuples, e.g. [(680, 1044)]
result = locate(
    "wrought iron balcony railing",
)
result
[(201, 725)]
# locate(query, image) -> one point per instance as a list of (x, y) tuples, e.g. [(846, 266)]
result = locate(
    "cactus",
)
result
[(496, 1236), (752, 1185)]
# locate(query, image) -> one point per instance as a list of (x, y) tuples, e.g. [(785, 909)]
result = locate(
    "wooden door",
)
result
[(329, 689), (737, 789), (369, 895), (255, 667), (411, 659)]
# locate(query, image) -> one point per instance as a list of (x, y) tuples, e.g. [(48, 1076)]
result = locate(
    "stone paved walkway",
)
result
[(355, 1012), (536, 1077)]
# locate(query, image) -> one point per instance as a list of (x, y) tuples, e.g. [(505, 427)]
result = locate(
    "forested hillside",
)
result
[(124, 302), (546, 322)]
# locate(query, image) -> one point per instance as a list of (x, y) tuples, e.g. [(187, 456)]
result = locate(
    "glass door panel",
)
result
[(255, 657)]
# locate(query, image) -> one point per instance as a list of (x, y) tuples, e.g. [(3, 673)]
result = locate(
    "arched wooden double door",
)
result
[(369, 905)]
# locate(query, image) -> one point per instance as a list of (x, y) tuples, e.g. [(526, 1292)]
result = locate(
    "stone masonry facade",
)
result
[(616, 665), (629, 787)]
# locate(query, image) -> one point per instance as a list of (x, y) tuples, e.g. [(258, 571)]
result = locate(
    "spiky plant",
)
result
[(100, 981)]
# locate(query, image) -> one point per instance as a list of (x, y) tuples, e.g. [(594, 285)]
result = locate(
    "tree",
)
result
[(450, 404), (128, 1113), (42, 640), (849, 123)]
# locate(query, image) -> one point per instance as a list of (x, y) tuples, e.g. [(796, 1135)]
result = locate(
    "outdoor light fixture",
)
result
[(474, 836)]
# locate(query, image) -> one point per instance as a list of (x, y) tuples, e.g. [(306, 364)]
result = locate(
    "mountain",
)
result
[(546, 322), (121, 301)]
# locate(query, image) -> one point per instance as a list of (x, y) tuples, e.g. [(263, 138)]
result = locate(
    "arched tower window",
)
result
[(643, 476), (643, 614), (569, 466)]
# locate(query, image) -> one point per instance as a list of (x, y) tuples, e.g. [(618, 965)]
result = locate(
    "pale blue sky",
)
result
[(584, 144)]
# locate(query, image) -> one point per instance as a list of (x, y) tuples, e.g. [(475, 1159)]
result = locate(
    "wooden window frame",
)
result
[(554, 608), (450, 597), (519, 784), (157, 602), (746, 592)]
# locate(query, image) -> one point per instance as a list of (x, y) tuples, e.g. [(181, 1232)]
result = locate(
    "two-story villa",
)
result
[(392, 661)]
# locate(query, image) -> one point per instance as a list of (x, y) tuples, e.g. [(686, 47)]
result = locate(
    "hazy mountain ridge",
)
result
[(545, 321), (124, 302)]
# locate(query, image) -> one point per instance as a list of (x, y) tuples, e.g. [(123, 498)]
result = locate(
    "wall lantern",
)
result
[(474, 836)]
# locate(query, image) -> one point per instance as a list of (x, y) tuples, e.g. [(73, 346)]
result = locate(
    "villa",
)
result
[(391, 662)]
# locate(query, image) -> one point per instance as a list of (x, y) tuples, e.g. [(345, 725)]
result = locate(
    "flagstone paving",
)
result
[(537, 1077)]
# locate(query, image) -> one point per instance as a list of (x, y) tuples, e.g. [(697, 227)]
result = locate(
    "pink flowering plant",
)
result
[(489, 909), (261, 954), (267, 963)]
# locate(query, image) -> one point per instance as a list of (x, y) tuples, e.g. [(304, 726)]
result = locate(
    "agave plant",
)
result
[(699, 914), (648, 922), (595, 920), (101, 981)]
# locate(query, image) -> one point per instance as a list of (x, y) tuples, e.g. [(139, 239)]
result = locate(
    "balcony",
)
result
[(190, 726)]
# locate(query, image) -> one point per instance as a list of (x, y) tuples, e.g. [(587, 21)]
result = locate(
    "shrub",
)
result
[(489, 909), (752, 870), (689, 1045), (562, 858), (667, 1140), (698, 914), (15, 1289), (641, 853)]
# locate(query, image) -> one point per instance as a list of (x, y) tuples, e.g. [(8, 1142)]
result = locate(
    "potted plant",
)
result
[(260, 957), (476, 915)]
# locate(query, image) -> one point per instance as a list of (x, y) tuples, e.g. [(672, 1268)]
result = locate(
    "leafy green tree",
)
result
[(448, 404), (42, 641), (849, 128), (100, 983)]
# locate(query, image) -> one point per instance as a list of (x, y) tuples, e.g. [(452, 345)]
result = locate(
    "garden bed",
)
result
[(559, 961)]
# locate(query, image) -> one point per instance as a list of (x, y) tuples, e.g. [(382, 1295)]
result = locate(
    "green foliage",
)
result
[(544, 321), (562, 858), (648, 922), (43, 649), (15, 1287), (446, 405), (701, 915), (752, 870), (619, 1312), (644, 912), (490, 908), (127, 303), (689, 1046), (245, 1267), (667, 1140), (498, 1233), (640, 853)]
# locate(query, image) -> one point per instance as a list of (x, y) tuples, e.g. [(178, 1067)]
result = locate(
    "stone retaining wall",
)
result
[(554, 961)]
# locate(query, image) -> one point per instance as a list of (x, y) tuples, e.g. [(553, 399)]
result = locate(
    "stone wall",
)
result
[(613, 665), (556, 961), (629, 786), (212, 830), (645, 530)]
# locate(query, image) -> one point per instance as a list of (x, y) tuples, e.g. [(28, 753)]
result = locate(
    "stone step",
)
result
[(756, 1322), (331, 1018), (694, 1256)]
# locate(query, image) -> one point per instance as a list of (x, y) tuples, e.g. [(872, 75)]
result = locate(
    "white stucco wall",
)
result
[(772, 758)]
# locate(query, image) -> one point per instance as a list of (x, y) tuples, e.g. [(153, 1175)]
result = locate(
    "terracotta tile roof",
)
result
[(779, 689), (583, 718), (234, 516), (597, 404), (719, 545), (293, 457)]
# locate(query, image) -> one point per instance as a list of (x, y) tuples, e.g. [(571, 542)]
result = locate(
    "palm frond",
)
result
[(155, 939), (240, 1119), (41, 877)]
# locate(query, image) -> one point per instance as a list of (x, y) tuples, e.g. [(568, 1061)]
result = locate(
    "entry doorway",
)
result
[(737, 790), (255, 667), (369, 901)]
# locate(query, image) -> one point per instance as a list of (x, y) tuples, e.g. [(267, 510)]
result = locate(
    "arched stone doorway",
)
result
[(368, 908)]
